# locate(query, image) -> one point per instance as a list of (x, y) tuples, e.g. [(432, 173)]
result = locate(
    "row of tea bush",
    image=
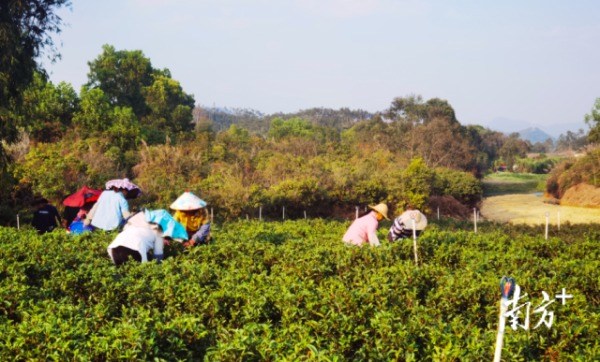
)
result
[(291, 291)]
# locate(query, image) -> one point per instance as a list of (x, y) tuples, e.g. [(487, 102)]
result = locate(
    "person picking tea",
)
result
[(192, 214), (364, 229)]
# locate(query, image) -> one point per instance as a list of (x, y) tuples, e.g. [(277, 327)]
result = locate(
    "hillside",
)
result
[(575, 181), (508, 126), (534, 135)]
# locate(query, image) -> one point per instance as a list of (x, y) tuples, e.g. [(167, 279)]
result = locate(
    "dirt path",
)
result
[(528, 209)]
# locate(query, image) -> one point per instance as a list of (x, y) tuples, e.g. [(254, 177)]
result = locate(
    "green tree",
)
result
[(593, 120), (122, 76), (412, 109), (95, 113), (51, 174), (170, 107), (128, 80), (47, 109), (25, 31), (124, 130), (511, 150), (294, 127), (412, 186), (239, 135), (419, 180)]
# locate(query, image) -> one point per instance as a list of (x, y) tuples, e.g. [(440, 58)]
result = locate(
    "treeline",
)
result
[(258, 123), (495, 148), (133, 120), (570, 141)]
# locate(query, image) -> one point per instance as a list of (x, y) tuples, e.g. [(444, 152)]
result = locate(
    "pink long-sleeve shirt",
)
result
[(358, 233)]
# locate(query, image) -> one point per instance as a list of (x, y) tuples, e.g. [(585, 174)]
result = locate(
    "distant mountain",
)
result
[(508, 126), (534, 135)]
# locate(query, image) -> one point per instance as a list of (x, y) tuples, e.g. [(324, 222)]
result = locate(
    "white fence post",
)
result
[(547, 216), (211, 215), (304, 214), (283, 212), (415, 239), (18, 223), (475, 218)]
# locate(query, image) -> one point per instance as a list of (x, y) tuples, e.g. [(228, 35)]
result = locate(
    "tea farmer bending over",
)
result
[(136, 242), (192, 214), (112, 205), (363, 230), (145, 230), (403, 225)]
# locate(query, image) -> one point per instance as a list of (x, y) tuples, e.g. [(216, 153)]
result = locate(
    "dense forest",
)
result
[(133, 120)]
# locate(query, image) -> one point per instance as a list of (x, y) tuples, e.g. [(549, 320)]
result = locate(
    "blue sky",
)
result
[(535, 61)]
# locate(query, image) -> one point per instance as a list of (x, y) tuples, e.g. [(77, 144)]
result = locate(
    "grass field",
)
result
[(517, 177), (506, 183), (273, 291), (496, 187)]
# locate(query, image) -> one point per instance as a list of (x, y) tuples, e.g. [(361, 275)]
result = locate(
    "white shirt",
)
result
[(139, 239)]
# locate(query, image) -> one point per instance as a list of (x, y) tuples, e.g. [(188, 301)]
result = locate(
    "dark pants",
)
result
[(121, 255)]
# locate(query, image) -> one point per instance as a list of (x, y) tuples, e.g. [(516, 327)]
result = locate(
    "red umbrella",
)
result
[(82, 196)]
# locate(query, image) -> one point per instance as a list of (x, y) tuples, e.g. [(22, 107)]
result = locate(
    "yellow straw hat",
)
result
[(382, 209)]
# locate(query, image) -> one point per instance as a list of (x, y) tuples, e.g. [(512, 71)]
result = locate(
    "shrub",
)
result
[(571, 172), (460, 185)]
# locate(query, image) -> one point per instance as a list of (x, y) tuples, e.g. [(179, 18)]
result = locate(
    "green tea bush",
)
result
[(266, 291)]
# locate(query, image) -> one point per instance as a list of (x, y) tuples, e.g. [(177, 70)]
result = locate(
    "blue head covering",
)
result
[(171, 228)]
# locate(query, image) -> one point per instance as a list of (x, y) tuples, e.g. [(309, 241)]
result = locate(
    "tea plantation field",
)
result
[(292, 291)]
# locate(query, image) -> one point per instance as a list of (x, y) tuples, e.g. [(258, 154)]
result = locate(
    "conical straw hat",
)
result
[(382, 209), (188, 201), (420, 219)]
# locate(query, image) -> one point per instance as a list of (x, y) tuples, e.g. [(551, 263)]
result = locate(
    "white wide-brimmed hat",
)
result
[(188, 201), (382, 209), (134, 190), (420, 219)]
